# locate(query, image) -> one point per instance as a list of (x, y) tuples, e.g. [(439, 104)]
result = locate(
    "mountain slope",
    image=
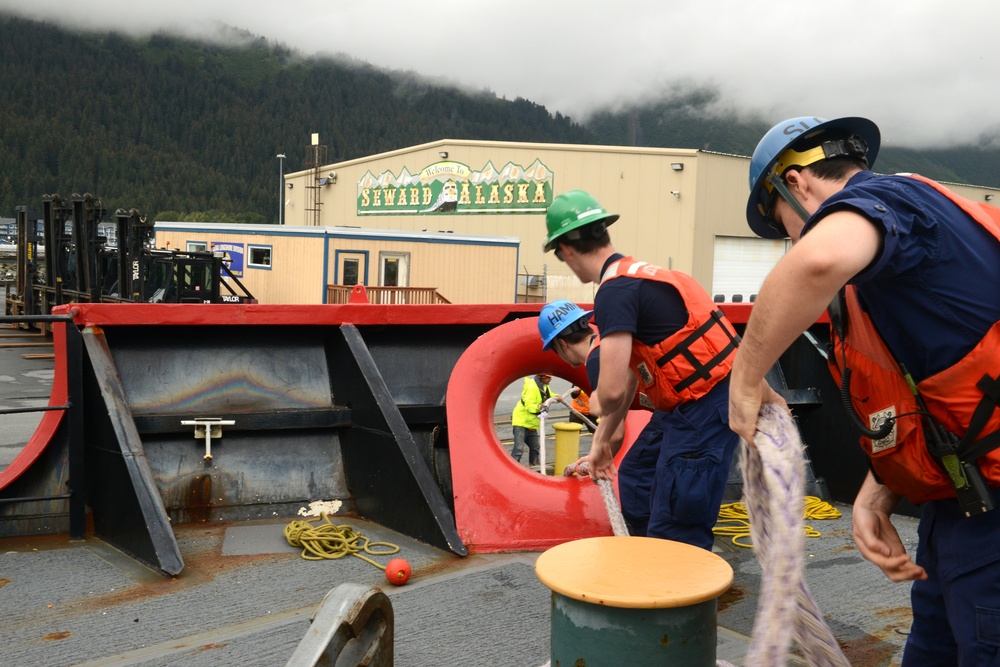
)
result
[(188, 130), (168, 124)]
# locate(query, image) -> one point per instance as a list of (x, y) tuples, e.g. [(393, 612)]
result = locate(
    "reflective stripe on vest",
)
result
[(691, 361), (953, 396)]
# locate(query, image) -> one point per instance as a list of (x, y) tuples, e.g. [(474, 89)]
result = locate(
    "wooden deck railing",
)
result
[(387, 295)]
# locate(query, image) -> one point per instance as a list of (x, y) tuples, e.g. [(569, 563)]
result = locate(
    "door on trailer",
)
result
[(393, 271)]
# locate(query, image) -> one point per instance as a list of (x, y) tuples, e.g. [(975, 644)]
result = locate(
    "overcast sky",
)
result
[(927, 71)]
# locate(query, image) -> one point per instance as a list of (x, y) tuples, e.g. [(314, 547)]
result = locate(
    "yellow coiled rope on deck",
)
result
[(328, 541), (734, 521)]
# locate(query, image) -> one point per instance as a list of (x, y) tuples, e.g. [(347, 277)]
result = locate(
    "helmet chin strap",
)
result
[(778, 184)]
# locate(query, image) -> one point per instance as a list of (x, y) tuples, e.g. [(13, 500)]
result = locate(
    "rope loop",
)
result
[(734, 520), (328, 541)]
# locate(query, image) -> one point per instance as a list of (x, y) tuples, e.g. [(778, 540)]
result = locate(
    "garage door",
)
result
[(741, 264)]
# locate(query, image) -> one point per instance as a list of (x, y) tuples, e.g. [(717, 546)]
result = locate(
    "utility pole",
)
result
[(281, 188)]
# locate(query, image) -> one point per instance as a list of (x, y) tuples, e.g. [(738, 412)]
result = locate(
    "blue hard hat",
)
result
[(783, 137), (557, 316)]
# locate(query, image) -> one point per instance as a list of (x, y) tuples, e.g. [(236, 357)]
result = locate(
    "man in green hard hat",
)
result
[(661, 335)]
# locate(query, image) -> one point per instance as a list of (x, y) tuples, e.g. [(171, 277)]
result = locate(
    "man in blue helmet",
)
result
[(911, 274), (565, 329), (661, 335)]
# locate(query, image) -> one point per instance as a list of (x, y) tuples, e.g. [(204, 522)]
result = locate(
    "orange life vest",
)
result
[(581, 403), (688, 363), (640, 401), (879, 390)]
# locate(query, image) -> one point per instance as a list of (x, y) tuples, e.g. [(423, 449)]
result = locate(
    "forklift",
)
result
[(81, 266)]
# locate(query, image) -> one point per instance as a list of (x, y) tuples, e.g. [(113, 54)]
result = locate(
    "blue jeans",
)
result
[(525, 436)]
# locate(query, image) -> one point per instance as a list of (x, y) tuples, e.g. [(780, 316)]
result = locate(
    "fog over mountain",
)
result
[(923, 70)]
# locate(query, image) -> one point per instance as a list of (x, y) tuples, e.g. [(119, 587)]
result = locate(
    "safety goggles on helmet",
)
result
[(774, 184), (766, 202), (814, 138)]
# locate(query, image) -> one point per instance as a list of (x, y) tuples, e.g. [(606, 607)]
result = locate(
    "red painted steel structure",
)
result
[(50, 421), (499, 504)]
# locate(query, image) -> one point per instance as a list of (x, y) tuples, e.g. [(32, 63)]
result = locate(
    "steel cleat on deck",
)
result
[(206, 428)]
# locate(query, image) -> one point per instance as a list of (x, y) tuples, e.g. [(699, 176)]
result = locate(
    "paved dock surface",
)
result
[(86, 604)]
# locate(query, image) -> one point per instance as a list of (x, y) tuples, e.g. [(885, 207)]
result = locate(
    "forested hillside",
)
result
[(166, 124), (188, 130)]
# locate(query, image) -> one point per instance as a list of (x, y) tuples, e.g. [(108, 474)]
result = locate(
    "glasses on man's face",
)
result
[(767, 199), (558, 253)]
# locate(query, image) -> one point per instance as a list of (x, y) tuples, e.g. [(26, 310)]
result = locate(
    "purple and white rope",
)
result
[(618, 526), (774, 487)]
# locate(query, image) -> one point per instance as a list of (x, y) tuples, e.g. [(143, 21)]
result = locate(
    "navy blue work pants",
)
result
[(693, 469), (956, 611)]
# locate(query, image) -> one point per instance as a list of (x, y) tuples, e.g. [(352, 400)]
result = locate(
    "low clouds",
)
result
[(923, 70)]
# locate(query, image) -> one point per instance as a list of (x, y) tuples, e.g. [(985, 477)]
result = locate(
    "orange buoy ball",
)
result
[(398, 571)]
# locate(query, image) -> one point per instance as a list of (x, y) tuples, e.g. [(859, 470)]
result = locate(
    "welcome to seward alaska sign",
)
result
[(453, 188)]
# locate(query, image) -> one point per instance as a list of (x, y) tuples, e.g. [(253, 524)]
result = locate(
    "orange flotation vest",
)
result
[(962, 398), (581, 403), (691, 361), (640, 401)]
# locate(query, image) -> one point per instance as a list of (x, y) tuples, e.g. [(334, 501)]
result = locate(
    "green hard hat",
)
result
[(571, 211)]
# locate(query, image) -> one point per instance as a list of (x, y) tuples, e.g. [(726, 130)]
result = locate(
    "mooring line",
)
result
[(773, 486)]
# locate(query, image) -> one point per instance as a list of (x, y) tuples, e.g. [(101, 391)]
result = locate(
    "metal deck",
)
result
[(245, 596)]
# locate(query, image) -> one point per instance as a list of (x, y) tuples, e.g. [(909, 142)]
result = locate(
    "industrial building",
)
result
[(682, 209)]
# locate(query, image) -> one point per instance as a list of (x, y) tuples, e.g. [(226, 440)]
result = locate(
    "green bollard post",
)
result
[(634, 601)]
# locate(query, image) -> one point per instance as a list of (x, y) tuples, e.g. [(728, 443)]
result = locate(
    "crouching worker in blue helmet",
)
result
[(916, 270), (565, 329), (661, 335)]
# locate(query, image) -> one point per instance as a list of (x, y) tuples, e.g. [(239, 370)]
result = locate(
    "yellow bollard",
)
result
[(567, 445)]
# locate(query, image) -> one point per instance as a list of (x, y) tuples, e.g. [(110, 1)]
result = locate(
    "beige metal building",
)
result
[(683, 209), (298, 264)]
